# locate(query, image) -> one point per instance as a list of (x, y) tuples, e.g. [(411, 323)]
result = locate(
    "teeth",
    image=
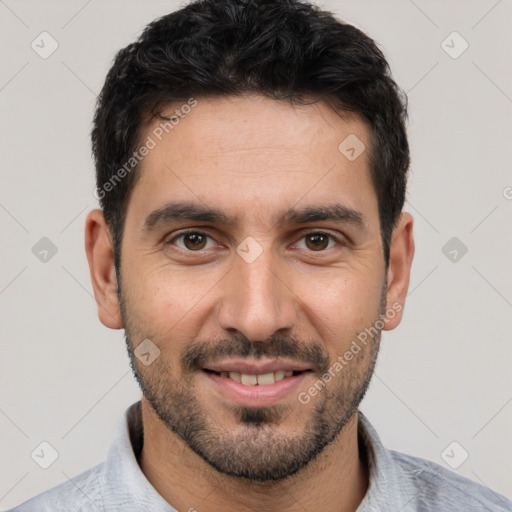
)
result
[(234, 376), (262, 380), (249, 380), (266, 378), (279, 375)]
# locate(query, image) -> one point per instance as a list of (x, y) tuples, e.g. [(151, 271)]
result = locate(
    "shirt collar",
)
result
[(387, 490), (124, 480)]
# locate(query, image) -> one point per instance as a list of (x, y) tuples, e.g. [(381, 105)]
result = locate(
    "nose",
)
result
[(256, 299)]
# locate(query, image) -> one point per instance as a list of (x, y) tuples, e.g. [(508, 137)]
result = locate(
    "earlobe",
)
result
[(400, 260), (100, 255)]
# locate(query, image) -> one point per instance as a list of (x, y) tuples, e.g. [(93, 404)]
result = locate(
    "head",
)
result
[(251, 163)]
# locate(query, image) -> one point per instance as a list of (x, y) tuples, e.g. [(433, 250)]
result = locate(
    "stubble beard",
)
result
[(257, 448)]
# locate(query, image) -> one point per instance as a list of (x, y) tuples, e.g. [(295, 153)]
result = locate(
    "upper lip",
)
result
[(255, 367)]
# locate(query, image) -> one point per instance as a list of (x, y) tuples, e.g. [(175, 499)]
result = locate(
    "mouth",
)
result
[(255, 384), (262, 379)]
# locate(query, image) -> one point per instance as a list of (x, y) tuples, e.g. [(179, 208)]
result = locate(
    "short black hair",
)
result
[(282, 49)]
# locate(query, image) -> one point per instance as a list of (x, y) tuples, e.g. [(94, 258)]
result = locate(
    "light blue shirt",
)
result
[(398, 482)]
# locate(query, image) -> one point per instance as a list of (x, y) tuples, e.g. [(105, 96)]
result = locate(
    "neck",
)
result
[(335, 481)]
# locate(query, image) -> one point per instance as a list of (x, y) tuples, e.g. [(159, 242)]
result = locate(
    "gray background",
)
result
[(443, 375)]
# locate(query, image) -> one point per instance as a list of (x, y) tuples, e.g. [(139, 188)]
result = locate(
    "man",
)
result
[(251, 166)]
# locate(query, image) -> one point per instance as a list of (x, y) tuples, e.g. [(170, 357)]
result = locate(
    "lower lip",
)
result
[(255, 396)]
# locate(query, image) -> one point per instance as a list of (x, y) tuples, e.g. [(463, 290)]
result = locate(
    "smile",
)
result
[(255, 383), (263, 379)]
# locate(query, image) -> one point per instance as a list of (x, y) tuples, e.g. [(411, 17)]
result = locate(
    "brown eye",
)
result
[(317, 241), (191, 241), (194, 241)]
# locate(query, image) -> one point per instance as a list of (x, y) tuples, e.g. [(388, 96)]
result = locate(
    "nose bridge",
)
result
[(255, 301)]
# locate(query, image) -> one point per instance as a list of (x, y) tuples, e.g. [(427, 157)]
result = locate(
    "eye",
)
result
[(317, 241), (191, 241), (196, 241)]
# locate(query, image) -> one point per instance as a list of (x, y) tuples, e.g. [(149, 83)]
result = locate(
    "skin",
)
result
[(253, 158)]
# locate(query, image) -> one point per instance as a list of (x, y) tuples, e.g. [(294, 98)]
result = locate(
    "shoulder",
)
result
[(78, 494), (437, 488)]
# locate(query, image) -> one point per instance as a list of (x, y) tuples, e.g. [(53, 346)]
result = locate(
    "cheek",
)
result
[(340, 305), (168, 303), (177, 303)]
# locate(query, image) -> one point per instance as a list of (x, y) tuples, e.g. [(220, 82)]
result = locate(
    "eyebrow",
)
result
[(175, 211)]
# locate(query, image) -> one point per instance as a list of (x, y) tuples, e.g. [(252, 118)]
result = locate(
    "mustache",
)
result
[(198, 353)]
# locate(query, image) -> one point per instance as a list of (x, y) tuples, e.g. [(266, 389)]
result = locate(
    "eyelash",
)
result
[(304, 235)]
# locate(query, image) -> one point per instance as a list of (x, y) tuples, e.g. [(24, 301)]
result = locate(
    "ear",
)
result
[(100, 254), (400, 260)]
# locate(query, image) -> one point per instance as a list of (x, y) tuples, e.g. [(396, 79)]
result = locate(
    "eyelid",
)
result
[(301, 235), (339, 240), (182, 233)]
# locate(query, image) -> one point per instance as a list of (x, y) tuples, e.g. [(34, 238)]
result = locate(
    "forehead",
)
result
[(251, 153)]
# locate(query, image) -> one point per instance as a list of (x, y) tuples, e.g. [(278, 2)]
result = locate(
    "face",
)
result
[(252, 260)]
